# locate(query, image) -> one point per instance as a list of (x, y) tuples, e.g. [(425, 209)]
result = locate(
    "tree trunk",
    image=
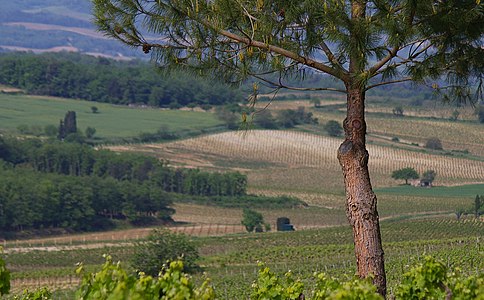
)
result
[(360, 198)]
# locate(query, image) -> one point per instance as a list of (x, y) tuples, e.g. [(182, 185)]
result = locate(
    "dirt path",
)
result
[(112, 238)]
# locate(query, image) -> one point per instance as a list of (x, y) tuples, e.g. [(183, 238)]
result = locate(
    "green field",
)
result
[(463, 191), (110, 122)]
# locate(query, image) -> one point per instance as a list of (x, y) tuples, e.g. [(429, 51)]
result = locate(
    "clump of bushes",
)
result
[(434, 144), (254, 221), (333, 128), (162, 246)]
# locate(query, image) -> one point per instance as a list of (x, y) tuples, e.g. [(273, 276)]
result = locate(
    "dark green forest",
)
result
[(73, 75), (72, 186)]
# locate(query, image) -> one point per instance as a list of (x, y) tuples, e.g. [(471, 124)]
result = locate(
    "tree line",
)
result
[(73, 75), (81, 160), (55, 184), (32, 200)]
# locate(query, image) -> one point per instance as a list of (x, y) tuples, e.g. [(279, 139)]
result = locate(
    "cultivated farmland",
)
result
[(302, 161), (415, 221)]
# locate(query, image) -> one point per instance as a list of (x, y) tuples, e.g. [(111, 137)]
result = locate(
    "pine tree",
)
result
[(363, 44)]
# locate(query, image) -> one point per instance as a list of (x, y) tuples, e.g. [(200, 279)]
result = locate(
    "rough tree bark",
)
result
[(360, 198)]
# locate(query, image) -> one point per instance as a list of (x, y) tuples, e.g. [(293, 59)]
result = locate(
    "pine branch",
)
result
[(249, 42), (280, 85), (331, 57), (388, 82), (404, 61), (377, 66)]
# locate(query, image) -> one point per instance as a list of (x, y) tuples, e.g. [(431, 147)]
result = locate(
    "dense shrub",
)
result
[(245, 201), (265, 119), (433, 143), (333, 128), (252, 220), (162, 246), (113, 282), (289, 118)]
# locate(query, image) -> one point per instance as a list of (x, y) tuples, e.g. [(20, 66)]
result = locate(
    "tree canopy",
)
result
[(353, 41), (99, 79), (252, 220), (405, 174), (363, 44), (93, 187)]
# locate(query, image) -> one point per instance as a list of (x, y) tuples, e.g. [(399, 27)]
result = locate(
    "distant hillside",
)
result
[(50, 26)]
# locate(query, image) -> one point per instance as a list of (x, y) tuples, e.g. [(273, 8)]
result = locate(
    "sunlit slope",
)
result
[(301, 160), (110, 121)]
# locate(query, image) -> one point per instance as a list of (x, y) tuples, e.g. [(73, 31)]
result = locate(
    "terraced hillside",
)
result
[(299, 161)]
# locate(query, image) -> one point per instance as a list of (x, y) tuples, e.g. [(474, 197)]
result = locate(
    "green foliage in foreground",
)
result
[(4, 277), (113, 282), (430, 279), (39, 294), (270, 286)]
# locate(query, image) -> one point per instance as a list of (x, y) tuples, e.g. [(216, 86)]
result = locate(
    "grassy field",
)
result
[(467, 191), (110, 121)]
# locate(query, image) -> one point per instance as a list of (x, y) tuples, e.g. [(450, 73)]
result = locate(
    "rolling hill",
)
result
[(51, 26)]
